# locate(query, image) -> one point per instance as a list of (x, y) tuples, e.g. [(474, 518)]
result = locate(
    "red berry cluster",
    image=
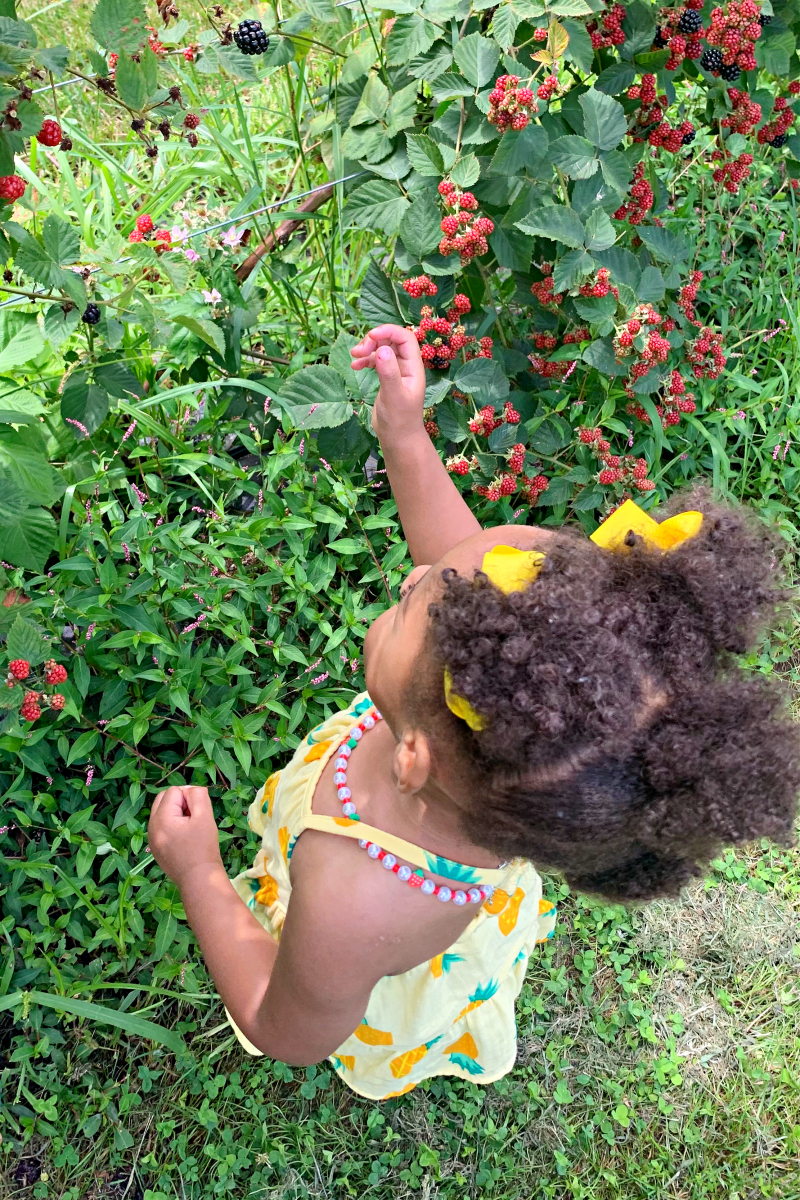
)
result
[(50, 133), (11, 187), (733, 173), (705, 354), (649, 346), (449, 336), (616, 468), (734, 29), (19, 669), (774, 132), (745, 114), (431, 428), (421, 285), (143, 229), (688, 295), (650, 119), (543, 289), (486, 421), (548, 88), (581, 334), (464, 233), (641, 201), (458, 465), (609, 32), (550, 370), (680, 29), (600, 286), (510, 105), (676, 401)]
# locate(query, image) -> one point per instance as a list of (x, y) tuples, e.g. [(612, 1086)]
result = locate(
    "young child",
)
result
[(535, 697)]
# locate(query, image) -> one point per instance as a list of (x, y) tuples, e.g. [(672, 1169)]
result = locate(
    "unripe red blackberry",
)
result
[(607, 475), (587, 435), (30, 711), (516, 458), (446, 187), (640, 468), (510, 413), (54, 673), (540, 483), (450, 226), (467, 201), (11, 187), (50, 133), (20, 668), (57, 701), (644, 485), (191, 121)]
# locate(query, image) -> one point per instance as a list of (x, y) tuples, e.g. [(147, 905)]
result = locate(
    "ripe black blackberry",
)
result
[(659, 41), (711, 60), (66, 144), (731, 72), (250, 37), (779, 141), (764, 19), (688, 138), (690, 22), (91, 314)]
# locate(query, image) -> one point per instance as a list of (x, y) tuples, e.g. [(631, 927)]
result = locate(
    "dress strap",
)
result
[(446, 867)]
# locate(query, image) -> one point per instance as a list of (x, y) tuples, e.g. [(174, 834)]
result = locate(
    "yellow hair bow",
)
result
[(511, 570)]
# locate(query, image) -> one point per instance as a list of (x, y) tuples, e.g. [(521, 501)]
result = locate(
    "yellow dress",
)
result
[(453, 1015)]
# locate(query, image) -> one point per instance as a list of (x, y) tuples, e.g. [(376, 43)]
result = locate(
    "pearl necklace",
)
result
[(413, 877)]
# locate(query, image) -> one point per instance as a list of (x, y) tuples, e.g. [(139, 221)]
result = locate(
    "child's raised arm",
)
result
[(434, 516)]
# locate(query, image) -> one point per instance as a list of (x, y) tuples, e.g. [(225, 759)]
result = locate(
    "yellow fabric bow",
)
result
[(511, 570)]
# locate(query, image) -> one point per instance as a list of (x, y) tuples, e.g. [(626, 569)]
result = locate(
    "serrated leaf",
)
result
[(600, 354), (556, 222), (377, 205), (432, 64), (373, 103), (205, 330), (119, 25), (600, 233), (504, 25), (12, 59), (579, 49), (410, 35), (18, 405), (28, 470), (26, 342), (58, 324), (30, 117), (27, 537), (477, 58), (503, 438), (25, 640), (83, 402), (651, 287), (17, 33), (466, 171), (570, 8), (520, 150), (663, 243), (605, 124), (639, 27), (483, 379), (616, 78), (424, 154), (315, 398), (558, 39), (616, 170), (420, 227), (61, 240), (575, 156), (378, 299), (571, 268), (359, 61), (117, 379), (622, 264)]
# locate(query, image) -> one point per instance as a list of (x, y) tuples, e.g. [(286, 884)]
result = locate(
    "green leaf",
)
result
[(622, 264), (138, 1026), (165, 934), (605, 124), (600, 234), (119, 25), (664, 244), (433, 63), (83, 746), (562, 1094), (395, 167), (402, 110), (512, 248), (130, 82), (346, 441), (571, 268), (483, 379), (601, 355), (25, 641), (53, 59), (556, 222), (503, 438), (570, 8), (118, 380), (26, 342), (520, 150), (373, 103), (205, 330), (466, 171), (775, 49), (12, 59), (639, 28), (574, 155), (477, 57), (616, 170), (83, 402), (410, 35), (61, 241), (504, 25), (359, 61), (17, 33), (616, 78), (424, 154), (59, 325), (28, 469), (30, 117), (651, 287), (579, 47), (315, 398), (378, 300), (377, 205), (18, 405), (26, 538), (420, 227)]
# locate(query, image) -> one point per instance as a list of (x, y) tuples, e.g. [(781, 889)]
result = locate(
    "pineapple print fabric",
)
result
[(452, 1015)]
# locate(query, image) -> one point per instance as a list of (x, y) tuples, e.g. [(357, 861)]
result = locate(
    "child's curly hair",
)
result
[(624, 743)]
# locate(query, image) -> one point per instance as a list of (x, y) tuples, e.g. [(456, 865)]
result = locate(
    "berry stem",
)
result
[(56, 113)]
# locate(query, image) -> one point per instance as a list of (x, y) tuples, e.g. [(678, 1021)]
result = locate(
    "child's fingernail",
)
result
[(384, 354)]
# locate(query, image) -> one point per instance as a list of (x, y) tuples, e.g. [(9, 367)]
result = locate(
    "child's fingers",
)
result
[(198, 802), (401, 340), (169, 803), (388, 368)]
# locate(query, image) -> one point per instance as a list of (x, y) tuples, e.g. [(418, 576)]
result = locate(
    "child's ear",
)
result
[(412, 761)]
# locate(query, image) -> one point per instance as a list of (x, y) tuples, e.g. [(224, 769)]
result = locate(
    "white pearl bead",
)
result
[(356, 734), (444, 894), (339, 777), (349, 808), (378, 716), (460, 898), (373, 850), (363, 843), (428, 887), (389, 861), (344, 793), (474, 895), (345, 751), (404, 873), (369, 722), (488, 891), (340, 764)]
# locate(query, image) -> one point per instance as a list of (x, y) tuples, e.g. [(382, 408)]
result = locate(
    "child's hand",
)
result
[(394, 353), (182, 832)]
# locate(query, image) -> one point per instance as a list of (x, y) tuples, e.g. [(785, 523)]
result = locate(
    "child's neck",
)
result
[(429, 817)]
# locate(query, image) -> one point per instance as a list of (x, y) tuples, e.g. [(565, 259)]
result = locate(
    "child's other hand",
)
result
[(394, 353), (182, 832)]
